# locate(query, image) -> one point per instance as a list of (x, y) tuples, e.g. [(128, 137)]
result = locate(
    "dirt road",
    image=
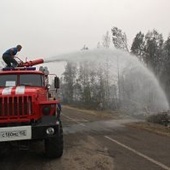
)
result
[(96, 141)]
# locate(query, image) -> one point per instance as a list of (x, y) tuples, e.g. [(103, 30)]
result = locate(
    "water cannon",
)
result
[(30, 63)]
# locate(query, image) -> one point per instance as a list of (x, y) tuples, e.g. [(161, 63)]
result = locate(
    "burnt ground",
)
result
[(96, 140)]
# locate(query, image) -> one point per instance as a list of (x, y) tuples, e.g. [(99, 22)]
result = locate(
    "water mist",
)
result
[(138, 91)]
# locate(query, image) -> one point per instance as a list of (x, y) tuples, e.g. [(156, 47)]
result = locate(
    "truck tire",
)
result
[(54, 145)]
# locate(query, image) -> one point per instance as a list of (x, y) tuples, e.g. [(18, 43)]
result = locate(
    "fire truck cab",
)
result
[(27, 111)]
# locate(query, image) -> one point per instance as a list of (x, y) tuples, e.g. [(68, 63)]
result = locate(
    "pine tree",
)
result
[(165, 69), (119, 39), (106, 40), (69, 79), (138, 46), (152, 50)]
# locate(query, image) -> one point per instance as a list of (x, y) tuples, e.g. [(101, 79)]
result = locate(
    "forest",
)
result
[(87, 84)]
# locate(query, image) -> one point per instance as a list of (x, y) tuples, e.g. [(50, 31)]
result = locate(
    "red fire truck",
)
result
[(28, 112)]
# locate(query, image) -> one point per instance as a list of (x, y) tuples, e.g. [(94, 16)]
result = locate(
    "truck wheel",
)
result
[(54, 145)]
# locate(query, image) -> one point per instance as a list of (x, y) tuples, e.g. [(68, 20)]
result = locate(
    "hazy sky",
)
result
[(46, 28)]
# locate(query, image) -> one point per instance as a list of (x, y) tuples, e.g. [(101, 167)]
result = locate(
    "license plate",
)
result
[(15, 133)]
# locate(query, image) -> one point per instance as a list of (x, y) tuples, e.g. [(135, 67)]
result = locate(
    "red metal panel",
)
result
[(16, 109)]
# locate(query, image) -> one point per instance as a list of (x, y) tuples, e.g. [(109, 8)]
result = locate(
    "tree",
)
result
[(119, 39), (137, 47), (98, 45), (85, 81), (69, 80), (85, 48), (152, 50), (106, 40), (165, 69)]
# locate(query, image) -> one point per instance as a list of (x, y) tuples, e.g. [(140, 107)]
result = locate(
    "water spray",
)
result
[(140, 83)]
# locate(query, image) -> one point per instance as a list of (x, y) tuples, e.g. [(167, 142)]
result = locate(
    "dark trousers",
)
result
[(8, 60)]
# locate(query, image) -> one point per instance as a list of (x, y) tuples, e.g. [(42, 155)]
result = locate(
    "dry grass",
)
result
[(101, 114), (152, 127)]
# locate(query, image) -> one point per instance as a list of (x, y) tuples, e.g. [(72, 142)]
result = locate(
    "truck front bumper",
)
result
[(47, 127)]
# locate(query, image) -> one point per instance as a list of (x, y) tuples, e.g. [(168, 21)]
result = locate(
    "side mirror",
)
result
[(56, 82)]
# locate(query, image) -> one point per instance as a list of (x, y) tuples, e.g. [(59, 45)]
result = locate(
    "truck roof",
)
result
[(21, 70)]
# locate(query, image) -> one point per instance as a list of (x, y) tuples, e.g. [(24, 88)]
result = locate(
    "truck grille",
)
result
[(15, 107)]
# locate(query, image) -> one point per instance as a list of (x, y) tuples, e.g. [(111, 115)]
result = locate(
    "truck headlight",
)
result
[(50, 131)]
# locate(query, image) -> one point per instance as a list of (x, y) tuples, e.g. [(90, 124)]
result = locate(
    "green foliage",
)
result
[(165, 67), (153, 49), (68, 82), (119, 39), (89, 84), (155, 54), (137, 47)]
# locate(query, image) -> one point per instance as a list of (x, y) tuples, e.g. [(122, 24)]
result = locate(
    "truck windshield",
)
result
[(9, 80), (31, 80)]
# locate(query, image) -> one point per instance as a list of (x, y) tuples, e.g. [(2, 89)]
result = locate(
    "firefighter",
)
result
[(8, 56)]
